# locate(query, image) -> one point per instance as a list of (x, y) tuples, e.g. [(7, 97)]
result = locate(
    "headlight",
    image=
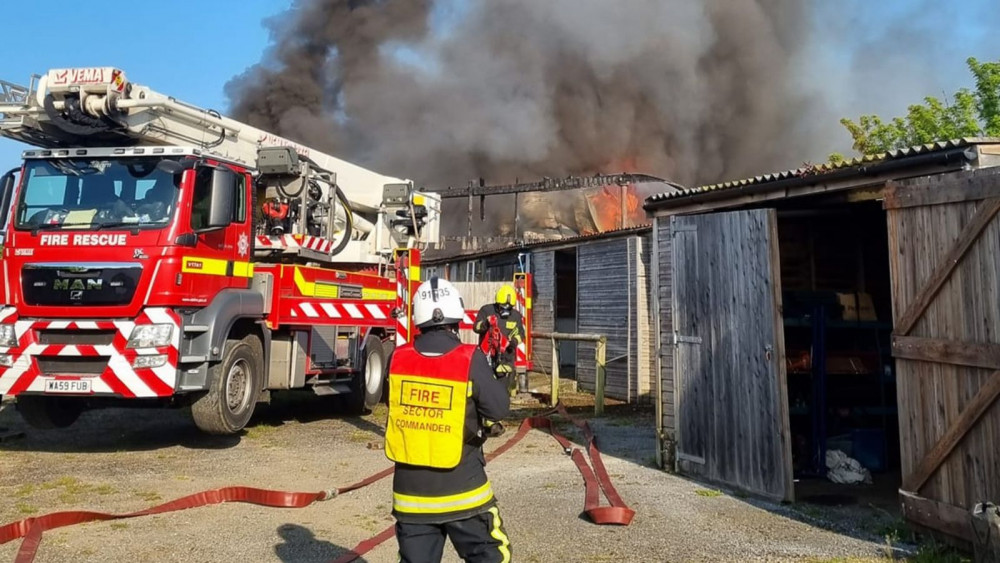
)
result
[(150, 336), (8, 337), (6, 361)]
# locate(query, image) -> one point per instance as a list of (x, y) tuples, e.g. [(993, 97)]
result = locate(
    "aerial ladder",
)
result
[(313, 207)]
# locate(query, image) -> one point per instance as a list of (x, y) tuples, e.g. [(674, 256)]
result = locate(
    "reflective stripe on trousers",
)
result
[(498, 534)]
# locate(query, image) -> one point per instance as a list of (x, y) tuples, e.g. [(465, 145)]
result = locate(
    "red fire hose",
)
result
[(595, 480)]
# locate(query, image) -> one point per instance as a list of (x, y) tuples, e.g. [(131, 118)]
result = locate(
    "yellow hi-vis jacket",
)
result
[(427, 400)]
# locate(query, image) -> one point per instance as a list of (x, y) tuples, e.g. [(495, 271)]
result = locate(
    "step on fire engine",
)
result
[(157, 253)]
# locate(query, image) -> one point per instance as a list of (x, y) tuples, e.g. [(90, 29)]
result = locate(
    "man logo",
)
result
[(76, 295), (77, 284)]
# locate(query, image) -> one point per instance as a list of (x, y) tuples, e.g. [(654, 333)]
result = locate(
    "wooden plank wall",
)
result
[(633, 318), (731, 395), (604, 277), (493, 268), (642, 323), (966, 310), (478, 293), (543, 307), (664, 347)]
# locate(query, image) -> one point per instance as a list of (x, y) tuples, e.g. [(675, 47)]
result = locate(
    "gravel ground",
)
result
[(127, 460)]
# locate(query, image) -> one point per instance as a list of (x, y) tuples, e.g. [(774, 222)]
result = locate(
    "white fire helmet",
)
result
[(437, 302)]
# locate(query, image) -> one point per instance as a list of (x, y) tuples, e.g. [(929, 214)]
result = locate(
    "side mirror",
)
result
[(6, 193), (187, 239), (221, 197)]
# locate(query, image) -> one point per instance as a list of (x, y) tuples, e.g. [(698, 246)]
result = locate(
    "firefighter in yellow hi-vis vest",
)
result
[(444, 401)]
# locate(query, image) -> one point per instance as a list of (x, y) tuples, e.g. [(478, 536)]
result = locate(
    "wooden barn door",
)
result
[(730, 395), (944, 243)]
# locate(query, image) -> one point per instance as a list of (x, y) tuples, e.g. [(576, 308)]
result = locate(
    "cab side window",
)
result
[(240, 205), (201, 199)]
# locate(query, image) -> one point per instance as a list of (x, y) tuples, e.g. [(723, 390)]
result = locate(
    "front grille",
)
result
[(76, 337), (71, 366), (105, 283)]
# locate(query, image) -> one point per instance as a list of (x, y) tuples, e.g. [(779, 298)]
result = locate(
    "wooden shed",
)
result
[(589, 284), (851, 308)]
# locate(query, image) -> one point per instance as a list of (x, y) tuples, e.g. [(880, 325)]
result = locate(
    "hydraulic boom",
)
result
[(313, 206)]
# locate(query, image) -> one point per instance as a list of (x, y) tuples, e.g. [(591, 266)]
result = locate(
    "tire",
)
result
[(46, 413), (389, 346), (234, 385), (368, 384)]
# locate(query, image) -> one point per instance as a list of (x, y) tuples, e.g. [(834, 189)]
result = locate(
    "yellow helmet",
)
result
[(506, 296)]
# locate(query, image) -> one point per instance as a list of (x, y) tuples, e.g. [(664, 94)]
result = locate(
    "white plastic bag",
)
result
[(845, 470)]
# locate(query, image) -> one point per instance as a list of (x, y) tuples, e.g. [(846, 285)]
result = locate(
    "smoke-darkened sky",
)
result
[(688, 90), (447, 90), (859, 56)]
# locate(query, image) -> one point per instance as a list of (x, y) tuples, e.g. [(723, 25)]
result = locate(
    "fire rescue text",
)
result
[(107, 239)]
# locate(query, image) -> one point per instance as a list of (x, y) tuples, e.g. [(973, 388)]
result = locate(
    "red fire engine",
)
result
[(157, 253)]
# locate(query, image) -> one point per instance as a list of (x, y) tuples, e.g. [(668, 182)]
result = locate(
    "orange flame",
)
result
[(606, 208)]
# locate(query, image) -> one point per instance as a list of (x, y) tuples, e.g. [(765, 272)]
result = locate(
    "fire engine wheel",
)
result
[(48, 412), (235, 383), (389, 346), (368, 383)]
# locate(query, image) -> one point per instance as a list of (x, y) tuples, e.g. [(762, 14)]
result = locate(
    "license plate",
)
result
[(76, 386)]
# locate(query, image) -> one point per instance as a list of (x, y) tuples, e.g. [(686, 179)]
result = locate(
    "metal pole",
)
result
[(469, 234), (623, 207), (517, 219), (554, 398), (654, 274), (599, 353)]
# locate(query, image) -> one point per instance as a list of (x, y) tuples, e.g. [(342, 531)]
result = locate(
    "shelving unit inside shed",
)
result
[(837, 311)]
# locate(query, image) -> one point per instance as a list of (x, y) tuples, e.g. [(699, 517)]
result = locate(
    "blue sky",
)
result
[(190, 49), (886, 55), (184, 48)]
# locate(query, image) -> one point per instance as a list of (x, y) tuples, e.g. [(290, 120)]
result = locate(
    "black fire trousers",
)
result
[(479, 539)]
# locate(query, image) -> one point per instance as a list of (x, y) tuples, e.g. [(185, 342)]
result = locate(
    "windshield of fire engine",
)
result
[(89, 193)]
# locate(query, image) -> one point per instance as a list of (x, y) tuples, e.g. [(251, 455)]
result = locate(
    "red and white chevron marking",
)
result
[(358, 311), (403, 303), (521, 358), (317, 244), (284, 241), (119, 378), (468, 321)]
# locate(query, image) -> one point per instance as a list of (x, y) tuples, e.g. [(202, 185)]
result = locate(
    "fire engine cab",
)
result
[(159, 253)]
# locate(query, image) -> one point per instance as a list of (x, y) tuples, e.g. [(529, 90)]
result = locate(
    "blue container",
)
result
[(869, 448)]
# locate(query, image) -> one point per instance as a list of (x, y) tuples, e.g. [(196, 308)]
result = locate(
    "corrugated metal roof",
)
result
[(439, 256), (820, 169)]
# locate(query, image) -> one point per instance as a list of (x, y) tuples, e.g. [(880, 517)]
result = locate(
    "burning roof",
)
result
[(552, 209)]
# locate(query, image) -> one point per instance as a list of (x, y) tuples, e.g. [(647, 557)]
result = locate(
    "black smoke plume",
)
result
[(447, 91)]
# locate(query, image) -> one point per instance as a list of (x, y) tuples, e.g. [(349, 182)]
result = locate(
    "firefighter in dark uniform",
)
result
[(444, 401), (501, 321)]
